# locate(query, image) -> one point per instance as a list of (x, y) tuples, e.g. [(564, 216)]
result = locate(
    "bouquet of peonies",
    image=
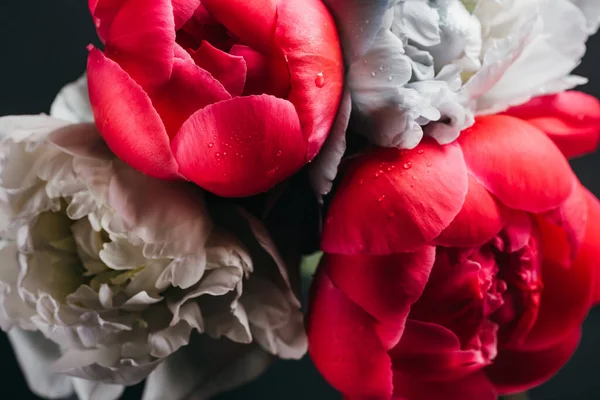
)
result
[(152, 227)]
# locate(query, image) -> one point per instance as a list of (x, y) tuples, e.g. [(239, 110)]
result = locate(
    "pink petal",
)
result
[(473, 387), (228, 69), (142, 39), (183, 10), (343, 343), (384, 286), (517, 371), (571, 119), (252, 22), (242, 155), (307, 36), (127, 120), (190, 89), (517, 163), (589, 252), (104, 12), (393, 201), (479, 220), (266, 74)]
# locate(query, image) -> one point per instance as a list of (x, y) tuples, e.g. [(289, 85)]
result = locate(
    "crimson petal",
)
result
[(127, 120), (228, 69), (242, 155), (183, 10), (393, 201), (384, 286), (190, 89), (142, 39), (517, 163), (344, 345), (473, 387), (571, 119)]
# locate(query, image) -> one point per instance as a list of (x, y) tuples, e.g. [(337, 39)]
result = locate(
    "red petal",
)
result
[(517, 163), (565, 301), (589, 253), (432, 352), (127, 120), (473, 387), (344, 345), (183, 10), (479, 220), (228, 69), (142, 39), (307, 36), (571, 119), (384, 286), (190, 89), (268, 75), (253, 22), (104, 12), (242, 155), (393, 201), (517, 371)]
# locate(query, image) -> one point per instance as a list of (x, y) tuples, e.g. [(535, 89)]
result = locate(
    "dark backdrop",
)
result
[(42, 47)]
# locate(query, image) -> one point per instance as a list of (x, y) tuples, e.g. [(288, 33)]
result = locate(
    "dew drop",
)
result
[(224, 154), (361, 181), (414, 177), (320, 80), (407, 165), (367, 21), (218, 154), (421, 151), (381, 68), (279, 153), (429, 164), (390, 168), (377, 174), (390, 78), (373, 74), (211, 145), (381, 198), (391, 214)]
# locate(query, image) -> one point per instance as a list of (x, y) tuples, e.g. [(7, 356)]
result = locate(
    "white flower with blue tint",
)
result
[(426, 67)]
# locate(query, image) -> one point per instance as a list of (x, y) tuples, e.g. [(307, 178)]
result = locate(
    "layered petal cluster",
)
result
[(426, 67), (107, 272), (232, 95), (461, 271)]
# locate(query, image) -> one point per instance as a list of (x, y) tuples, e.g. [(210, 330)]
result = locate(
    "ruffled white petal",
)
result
[(73, 103)]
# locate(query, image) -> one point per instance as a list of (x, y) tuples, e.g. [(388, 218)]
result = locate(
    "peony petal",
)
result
[(316, 68), (571, 119), (104, 12), (245, 155), (90, 390), (517, 163), (516, 371), (358, 22), (265, 75), (479, 220), (227, 68), (473, 387), (324, 168), (589, 252), (253, 22), (73, 102), (343, 343), (142, 39), (204, 369), (127, 120), (183, 10), (384, 286), (35, 355), (392, 200), (190, 89)]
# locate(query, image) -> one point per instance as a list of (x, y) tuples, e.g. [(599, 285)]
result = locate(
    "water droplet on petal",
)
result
[(429, 164), (367, 21), (381, 198), (218, 154), (279, 153), (421, 151), (320, 80), (414, 177), (390, 168), (391, 214), (381, 68), (224, 154), (211, 144), (361, 181), (373, 74), (390, 78), (407, 165)]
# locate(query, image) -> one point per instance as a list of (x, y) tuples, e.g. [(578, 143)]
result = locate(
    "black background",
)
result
[(43, 47)]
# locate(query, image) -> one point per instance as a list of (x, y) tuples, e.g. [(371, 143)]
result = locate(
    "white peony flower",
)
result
[(107, 274), (428, 66)]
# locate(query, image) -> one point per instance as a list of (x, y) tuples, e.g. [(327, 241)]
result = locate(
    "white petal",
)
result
[(183, 272), (591, 10), (169, 340), (82, 140), (420, 23), (72, 103), (204, 369), (90, 390), (121, 254), (324, 168), (13, 310), (36, 355)]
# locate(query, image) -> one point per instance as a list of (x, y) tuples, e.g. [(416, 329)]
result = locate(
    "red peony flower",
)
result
[(460, 272), (232, 95)]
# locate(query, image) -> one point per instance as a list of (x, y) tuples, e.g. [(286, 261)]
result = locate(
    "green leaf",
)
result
[(310, 264)]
